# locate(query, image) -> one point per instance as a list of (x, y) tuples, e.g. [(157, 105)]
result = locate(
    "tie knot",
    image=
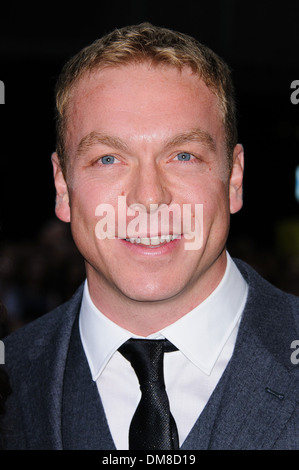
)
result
[(146, 357)]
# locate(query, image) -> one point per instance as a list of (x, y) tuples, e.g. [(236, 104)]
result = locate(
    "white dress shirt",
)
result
[(205, 338)]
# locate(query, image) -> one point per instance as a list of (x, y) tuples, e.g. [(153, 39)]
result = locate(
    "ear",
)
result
[(62, 208), (236, 180)]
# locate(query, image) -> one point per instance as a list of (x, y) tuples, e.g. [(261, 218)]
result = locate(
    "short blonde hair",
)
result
[(140, 43)]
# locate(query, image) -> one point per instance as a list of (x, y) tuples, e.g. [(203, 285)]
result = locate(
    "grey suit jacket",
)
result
[(257, 407)]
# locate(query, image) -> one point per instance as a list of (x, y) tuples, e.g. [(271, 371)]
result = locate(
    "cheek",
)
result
[(211, 192), (83, 203), (94, 212), (216, 204)]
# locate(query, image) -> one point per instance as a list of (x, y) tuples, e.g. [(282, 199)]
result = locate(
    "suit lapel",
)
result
[(260, 390), (46, 365), (257, 393), (257, 401), (84, 423)]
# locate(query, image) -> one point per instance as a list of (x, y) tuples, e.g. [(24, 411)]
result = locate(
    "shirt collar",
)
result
[(200, 334)]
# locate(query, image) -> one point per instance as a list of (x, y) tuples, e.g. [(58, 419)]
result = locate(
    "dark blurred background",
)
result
[(39, 265)]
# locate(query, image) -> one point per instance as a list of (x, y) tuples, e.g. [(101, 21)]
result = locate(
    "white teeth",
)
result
[(145, 241), (153, 240)]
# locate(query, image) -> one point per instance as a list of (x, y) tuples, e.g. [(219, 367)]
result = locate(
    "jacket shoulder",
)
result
[(42, 331), (271, 311), (262, 286)]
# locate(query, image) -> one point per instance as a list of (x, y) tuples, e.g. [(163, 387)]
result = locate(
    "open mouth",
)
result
[(153, 241)]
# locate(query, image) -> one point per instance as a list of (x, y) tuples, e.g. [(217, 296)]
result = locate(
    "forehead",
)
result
[(140, 98)]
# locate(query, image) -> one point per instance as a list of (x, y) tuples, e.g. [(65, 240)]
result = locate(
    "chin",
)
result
[(151, 293)]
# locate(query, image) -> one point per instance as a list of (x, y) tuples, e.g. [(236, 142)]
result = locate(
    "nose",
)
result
[(149, 186)]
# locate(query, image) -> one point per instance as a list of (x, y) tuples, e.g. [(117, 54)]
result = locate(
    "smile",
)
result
[(153, 241)]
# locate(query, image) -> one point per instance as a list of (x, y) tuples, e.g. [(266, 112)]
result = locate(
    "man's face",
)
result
[(152, 135)]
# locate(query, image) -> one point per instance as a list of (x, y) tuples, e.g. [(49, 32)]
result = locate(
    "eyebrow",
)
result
[(95, 138), (195, 135)]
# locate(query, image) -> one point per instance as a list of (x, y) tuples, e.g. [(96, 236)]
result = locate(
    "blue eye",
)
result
[(184, 157), (107, 160)]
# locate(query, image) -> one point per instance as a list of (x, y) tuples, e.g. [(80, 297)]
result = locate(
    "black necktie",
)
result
[(152, 426)]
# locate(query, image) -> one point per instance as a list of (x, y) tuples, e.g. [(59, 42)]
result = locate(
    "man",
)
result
[(146, 127)]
